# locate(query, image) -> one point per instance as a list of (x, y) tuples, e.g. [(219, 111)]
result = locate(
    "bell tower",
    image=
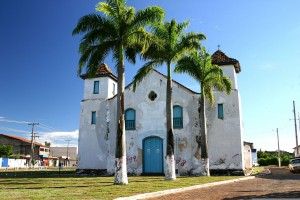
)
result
[(230, 66), (102, 85), (225, 121), (92, 142)]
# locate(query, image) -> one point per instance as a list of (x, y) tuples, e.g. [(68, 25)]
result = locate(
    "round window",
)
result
[(152, 95)]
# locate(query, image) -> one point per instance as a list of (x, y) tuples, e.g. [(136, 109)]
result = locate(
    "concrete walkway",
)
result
[(180, 190), (280, 184)]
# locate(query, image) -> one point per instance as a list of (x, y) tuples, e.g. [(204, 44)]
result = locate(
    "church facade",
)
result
[(145, 124)]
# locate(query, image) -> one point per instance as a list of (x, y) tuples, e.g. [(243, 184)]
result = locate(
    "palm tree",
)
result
[(120, 31), (172, 44), (198, 65)]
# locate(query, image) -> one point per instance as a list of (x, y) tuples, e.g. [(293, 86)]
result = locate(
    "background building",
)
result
[(65, 155), (22, 147)]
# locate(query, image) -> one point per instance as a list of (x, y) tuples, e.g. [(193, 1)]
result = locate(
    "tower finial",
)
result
[(219, 47)]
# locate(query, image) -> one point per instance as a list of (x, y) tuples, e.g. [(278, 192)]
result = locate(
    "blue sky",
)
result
[(39, 57)]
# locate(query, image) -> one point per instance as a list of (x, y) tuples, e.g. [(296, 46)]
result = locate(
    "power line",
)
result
[(49, 127), (43, 126), (14, 121), (11, 129)]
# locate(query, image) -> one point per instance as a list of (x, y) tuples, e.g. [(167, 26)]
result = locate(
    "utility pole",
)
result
[(68, 152), (279, 160), (297, 149), (33, 136)]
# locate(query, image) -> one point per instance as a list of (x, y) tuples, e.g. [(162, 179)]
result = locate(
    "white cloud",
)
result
[(59, 138)]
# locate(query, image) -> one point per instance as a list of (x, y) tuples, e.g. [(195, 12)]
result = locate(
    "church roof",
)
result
[(161, 74), (102, 71), (21, 139), (220, 58)]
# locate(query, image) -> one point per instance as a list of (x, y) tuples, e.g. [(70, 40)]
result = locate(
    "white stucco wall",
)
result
[(106, 85), (151, 121), (229, 71), (97, 142), (92, 142), (225, 146), (254, 156), (92, 148), (247, 157)]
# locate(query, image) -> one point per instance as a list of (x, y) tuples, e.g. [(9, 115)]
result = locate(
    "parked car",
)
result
[(294, 165), (254, 164)]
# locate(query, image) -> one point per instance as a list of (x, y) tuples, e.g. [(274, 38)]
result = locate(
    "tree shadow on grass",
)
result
[(45, 174), (54, 187)]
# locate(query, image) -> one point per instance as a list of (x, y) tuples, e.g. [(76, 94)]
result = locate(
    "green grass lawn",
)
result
[(48, 184)]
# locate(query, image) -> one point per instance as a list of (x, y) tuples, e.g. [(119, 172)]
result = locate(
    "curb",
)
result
[(177, 190)]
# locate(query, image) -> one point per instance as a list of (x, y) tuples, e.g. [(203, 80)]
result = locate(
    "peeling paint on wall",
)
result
[(140, 157), (220, 161), (183, 144), (223, 136), (107, 121), (197, 155)]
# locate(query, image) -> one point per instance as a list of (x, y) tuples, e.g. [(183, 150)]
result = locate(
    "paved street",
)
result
[(279, 184)]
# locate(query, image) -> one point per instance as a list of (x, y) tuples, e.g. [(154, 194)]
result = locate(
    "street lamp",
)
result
[(67, 152)]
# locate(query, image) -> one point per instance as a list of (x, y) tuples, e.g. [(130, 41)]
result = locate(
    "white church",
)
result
[(145, 124)]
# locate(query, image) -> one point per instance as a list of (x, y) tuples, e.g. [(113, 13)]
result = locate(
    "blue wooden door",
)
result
[(153, 155), (4, 162)]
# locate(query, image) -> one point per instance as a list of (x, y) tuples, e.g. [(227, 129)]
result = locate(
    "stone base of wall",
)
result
[(213, 172), (98, 172), (227, 172)]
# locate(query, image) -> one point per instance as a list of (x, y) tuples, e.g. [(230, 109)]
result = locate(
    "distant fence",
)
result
[(15, 163)]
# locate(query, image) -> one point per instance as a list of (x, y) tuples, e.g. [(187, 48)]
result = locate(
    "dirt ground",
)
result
[(279, 184)]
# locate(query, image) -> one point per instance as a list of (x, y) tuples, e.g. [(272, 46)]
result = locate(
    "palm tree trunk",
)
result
[(120, 157), (170, 160), (203, 133)]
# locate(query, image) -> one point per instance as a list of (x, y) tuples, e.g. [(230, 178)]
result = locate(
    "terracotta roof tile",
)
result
[(103, 70), (22, 139), (220, 58)]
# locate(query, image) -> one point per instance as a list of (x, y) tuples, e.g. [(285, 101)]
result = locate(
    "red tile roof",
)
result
[(22, 139), (220, 58), (102, 71)]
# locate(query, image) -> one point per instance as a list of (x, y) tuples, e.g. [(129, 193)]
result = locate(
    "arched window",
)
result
[(130, 119), (177, 117)]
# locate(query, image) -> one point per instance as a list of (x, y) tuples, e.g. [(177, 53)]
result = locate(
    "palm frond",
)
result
[(109, 8), (130, 53), (198, 65), (182, 26), (187, 65), (209, 95), (88, 23), (129, 15), (149, 16), (224, 85)]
